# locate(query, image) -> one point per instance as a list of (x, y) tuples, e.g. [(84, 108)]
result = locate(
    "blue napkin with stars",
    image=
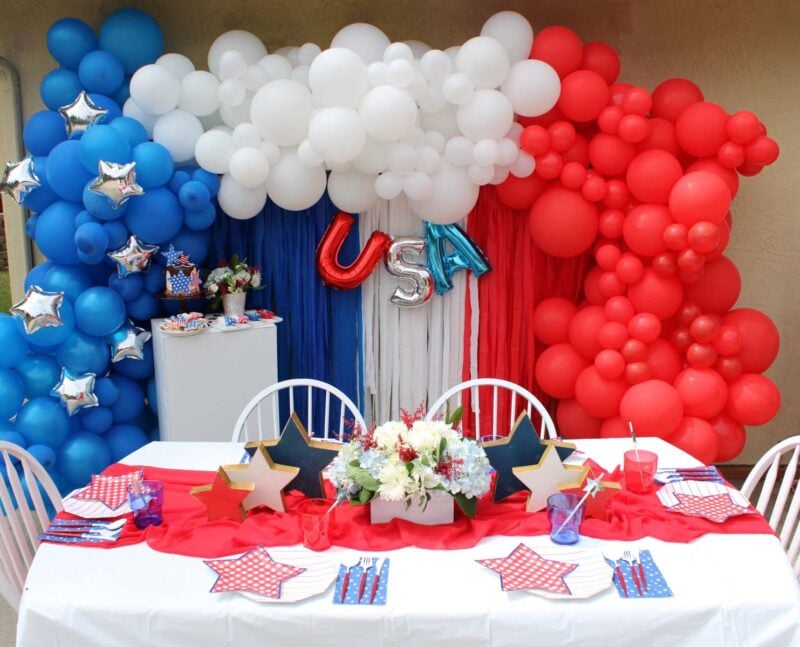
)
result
[(657, 586), (354, 584)]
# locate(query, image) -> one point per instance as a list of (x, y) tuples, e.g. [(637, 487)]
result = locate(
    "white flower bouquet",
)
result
[(230, 278)]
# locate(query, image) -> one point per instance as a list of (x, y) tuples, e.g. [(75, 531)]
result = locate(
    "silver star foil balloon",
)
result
[(75, 391), (133, 256), (39, 309), (128, 342), (19, 179), (81, 114), (117, 182)]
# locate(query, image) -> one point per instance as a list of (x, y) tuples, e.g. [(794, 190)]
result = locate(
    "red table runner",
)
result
[(185, 530)]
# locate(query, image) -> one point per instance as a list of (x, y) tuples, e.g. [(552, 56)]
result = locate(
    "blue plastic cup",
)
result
[(146, 499), (559, 508)]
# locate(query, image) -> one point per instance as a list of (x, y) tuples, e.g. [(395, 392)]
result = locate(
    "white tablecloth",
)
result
[(728, 590)]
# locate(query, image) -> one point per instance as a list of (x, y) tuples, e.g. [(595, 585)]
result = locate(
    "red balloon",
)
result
[(549, 165), (611, 223), (718, 288), (610, 155), (680, 338), (610, 285), (728, 340), (729, 368), (573, 175), (710, 164), (659, 295), (609, 364), (665, 264), (578, 152), (609, 118), (760, 338), (724, 238), (583, 95), (614, 427), (612, 335), (752, 399), (690, 262), (520, 193), (654, 407), (598, 396), (534, 140), (562, 136), (705, 328), (661, 137), (607, 256), (731, 155), (560, 47), (637, 101), (619, 309), (699, 196), (563, 223), (591, 287), (603, 59), (676, 236), (617, 195), (762, 151), (701, 355), (583, 331), (557, 369), (673, 96), (348, 276), (572, 421), (732, 437), (743, 127), (633, 129), (645, 327), (644, 229), (618, 91), (698, 438), (703, 392), (652, 174), (664, 361), (634, 350), (701, 129), (704, 236), (551, 320), (638, 372), (687, 313), (629, 268)]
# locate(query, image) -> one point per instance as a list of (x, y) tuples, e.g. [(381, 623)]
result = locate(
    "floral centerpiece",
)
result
[(229, 280), (411, 462)]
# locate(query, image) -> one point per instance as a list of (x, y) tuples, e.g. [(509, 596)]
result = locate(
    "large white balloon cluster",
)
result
[(384, 118)]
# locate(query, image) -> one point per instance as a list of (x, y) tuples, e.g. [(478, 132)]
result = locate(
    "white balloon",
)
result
[(415, 136), (131, 109), (418, 48), (210, 121), (515, 132), (244, 42), (512, 31), (290, 53), (300, 74), (281, 110), (451, 199), (307, 155), (452, 53), (402, 158), (397, 52), (294, 186), (428, 159), (255, 77), (486, 152), (458, 88), (155, 89), (213, 151), (366, 40), (378, 73), (372, 158), (443, 121), (199, 93), (435, 140), (418, 86), (238, 201), (487, 115), (484, 60), (417, 186), (178, 132), (533, 87), (388, 113), (433, 100), (338, 166), (246, 136), (435, 65), (337, 134), (338, 77), (352, 191), (480, 175), (500, 175), (234, 115), (232, 65), (249, 167), (459, 151), (178, 64), (271, 152), (307, 53), (276, 66), (388, 185), (523, 166), (232, 92), (400, 73), (507, 152)]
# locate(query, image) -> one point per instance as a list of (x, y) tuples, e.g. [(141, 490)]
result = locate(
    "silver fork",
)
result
[(366, 563), (627, 555)]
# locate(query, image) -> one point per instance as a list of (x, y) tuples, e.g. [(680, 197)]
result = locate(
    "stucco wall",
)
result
[(743, 54)]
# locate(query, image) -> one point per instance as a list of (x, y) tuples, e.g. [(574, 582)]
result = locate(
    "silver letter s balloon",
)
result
[(397, 266)]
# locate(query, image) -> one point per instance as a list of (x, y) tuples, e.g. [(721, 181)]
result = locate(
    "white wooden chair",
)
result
[(19, 524), (499, 388), (256, 424), (782, 518)]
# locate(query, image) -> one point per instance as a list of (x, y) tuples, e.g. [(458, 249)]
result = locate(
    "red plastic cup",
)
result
[(640, 470), (316, 523)]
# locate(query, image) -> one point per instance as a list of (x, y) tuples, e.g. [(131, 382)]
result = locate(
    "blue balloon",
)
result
[(106, 391), (180, 178), (69, 40), (55, 232), (83, 217), (59, 88), (152, 398), (117, 233), (130, 402), (154, 165), (44, 454), (98, 420), (65, 173), (125, 439), (194, 196), (12, 392), (132, 36), (83, 353), (211, 180), (141, 221), (154, 278), (43, 421), (43, 131), (129, 287), (106, 103), (37, 274), (13, 341), (39, 374), (143, 307), (51, 336), (103, 143), (132, 129), (69, 279), (91, 259), (202, 219), (91, 238), (196, 244), (137, 369), (82, 455), (30, 226), (99, 311), (42, 196), (101, 72), (123, 94), (100, 206)]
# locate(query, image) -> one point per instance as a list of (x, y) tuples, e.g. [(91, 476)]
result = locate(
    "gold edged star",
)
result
[(268, 478), (19, 179), (81, 114), (117, 182), (596, 505), (544, 478), (223, 498), (39, 309), (75, 391)]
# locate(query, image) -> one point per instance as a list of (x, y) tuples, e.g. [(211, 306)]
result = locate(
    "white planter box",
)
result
[(438, 511)]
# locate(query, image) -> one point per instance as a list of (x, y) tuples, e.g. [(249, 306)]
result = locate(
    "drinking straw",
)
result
[(592, 488), (636, 451)]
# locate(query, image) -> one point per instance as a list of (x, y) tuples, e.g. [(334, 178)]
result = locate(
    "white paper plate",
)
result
[(219, 324), (699, 488), (183, 333), (320, 573), (92, 508), (592, 576)]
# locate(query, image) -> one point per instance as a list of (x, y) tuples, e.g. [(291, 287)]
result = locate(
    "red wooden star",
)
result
[(596, 506), (254, 571), (524, 568), (717, 507), (222, 498)]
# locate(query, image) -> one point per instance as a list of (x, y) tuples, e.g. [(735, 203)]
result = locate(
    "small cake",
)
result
[(182, 276)]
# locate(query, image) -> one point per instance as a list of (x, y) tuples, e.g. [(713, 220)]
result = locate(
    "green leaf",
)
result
[(365, 496), (455, 417), (363, 478), (468, 506)]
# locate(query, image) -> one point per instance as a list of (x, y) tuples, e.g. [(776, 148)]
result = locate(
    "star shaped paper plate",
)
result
[(555, 572), (705, 499), (105, 497)]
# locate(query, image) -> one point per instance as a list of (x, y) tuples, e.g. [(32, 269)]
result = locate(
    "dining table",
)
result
[(727, 589)]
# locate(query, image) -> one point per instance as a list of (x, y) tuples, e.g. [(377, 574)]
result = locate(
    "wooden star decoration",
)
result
[(596, 506), (521, 447), (544, 478), (268, 478), (223, 498), (295, 447)]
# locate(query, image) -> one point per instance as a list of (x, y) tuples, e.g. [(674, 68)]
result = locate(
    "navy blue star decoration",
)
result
[(297, 449), (521, 447)]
